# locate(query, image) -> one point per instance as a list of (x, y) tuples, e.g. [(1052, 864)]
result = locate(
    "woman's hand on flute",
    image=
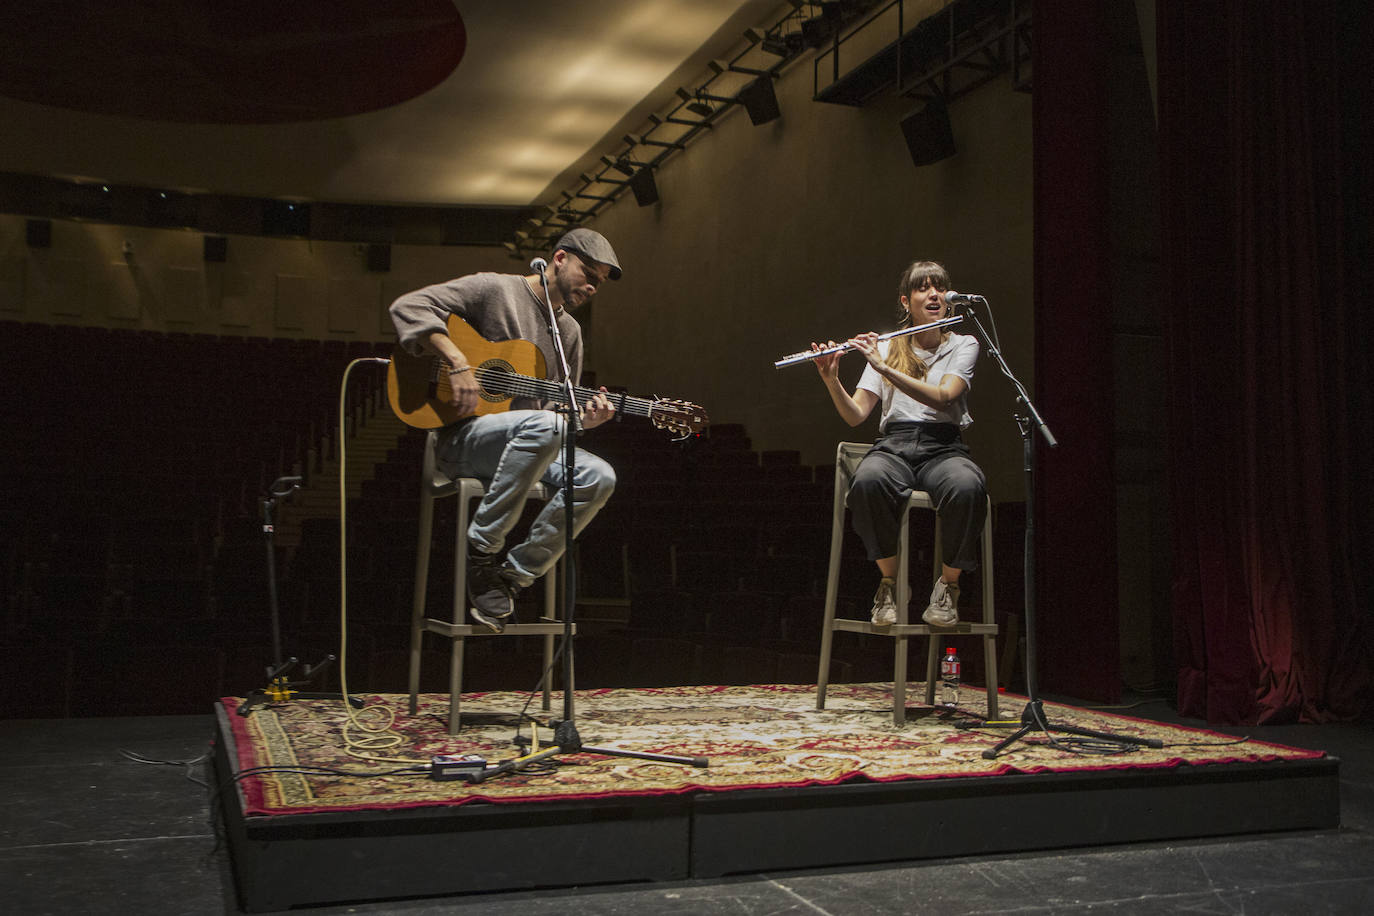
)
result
[(829, 365), (867, 344)]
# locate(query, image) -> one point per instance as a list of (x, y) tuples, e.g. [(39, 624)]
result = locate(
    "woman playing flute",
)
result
[(922, 381)]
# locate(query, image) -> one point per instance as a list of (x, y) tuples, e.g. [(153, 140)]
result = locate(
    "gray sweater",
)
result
[(498, 307)]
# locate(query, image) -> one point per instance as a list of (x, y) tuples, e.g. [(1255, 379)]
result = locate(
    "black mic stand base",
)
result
[(1033, 719), (279, 689)]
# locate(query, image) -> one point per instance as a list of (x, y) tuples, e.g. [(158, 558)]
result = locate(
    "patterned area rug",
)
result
[(754, 737)]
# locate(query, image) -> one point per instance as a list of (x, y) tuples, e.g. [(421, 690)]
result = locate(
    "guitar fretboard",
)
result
[(502, 381)]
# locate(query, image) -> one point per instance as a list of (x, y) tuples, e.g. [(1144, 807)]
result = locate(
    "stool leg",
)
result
[(460, 556), (550, 613), (932, 668), (899, 672), (899, 682), (989, 616), (832, 589), (417, 610), (455, 684), (933, 644)]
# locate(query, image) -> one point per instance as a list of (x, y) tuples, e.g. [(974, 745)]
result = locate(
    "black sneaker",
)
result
[(491, 596)]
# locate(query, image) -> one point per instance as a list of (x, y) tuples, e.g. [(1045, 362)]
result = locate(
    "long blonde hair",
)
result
[(901, 353)]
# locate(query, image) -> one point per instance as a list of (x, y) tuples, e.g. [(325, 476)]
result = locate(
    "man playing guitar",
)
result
[(513, 449)]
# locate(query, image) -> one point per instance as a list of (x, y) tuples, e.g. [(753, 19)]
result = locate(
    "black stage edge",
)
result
[(300, 859)]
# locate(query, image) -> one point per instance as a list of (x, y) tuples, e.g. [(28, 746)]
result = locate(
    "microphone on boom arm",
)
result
[(954, 298)]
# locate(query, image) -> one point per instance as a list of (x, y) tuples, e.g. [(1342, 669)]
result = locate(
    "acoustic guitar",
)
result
[(419, 392)]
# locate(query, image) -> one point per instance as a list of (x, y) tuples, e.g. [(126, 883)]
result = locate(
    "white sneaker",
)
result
[(943, 610), (885, 604)]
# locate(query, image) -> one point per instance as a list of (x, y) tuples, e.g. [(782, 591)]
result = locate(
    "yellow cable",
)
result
[(378, 736)]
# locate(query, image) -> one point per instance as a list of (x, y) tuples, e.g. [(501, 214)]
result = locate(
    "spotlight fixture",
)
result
[(783, 45), (699, 102), (284, 217), (631, 140), (818, 30), (757, 97), (659, 121), (624, 164)]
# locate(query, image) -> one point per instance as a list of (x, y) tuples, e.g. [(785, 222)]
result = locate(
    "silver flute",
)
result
[(806, 355)]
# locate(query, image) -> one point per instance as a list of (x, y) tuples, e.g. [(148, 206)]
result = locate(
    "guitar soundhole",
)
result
[(490, 377)]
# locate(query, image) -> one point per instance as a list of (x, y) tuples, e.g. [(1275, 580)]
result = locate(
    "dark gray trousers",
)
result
[(930, 457)]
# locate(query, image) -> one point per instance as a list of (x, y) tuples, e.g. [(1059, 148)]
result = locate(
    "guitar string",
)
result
[(517, 385)]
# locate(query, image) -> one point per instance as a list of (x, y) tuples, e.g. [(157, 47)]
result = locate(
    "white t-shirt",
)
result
[(956, 355)]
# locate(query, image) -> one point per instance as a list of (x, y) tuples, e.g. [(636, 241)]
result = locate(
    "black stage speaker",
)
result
[(38, 233), (760, 100), (929, 137), (379, 258), (215, 249), (643, 185)]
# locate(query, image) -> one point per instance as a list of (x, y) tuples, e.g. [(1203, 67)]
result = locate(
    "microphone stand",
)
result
[(279, 687), (568, 741), (1033, 716)]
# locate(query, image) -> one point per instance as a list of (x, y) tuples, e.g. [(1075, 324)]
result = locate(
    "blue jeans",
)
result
[(511, 451)]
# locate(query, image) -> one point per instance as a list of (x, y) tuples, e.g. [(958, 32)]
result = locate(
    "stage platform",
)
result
[(788, 786)]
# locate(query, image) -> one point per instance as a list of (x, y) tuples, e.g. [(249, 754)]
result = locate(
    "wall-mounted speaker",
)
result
[(215, 249), (379, 258), (929, 137), (38, 233), (644, 187), (760, 100)]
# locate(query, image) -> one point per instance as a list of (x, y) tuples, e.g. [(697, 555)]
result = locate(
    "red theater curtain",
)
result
[(1263, 145), (1075, 487)]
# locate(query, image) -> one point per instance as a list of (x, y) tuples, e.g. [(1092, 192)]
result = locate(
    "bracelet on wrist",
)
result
[(460, 369)]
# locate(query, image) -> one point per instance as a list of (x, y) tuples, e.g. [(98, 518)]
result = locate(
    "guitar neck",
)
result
[(548, 390)]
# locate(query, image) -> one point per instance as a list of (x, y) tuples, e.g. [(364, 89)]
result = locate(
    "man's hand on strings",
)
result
[(597, 410), (466, 391)]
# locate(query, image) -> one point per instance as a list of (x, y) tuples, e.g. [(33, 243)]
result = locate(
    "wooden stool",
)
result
[(434, 484), (847, 458)]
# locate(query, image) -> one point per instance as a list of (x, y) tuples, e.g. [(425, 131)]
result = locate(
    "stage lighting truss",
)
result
[(744, 80)]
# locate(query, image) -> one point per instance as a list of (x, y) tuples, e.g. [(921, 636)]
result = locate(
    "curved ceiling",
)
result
[(259, 62), (408, 102)]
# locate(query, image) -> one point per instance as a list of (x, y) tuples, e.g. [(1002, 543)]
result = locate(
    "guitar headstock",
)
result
[(682, 417)]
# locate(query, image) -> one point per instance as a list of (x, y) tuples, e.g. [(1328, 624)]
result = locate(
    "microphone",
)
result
[(538, 265), (954, 298)]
